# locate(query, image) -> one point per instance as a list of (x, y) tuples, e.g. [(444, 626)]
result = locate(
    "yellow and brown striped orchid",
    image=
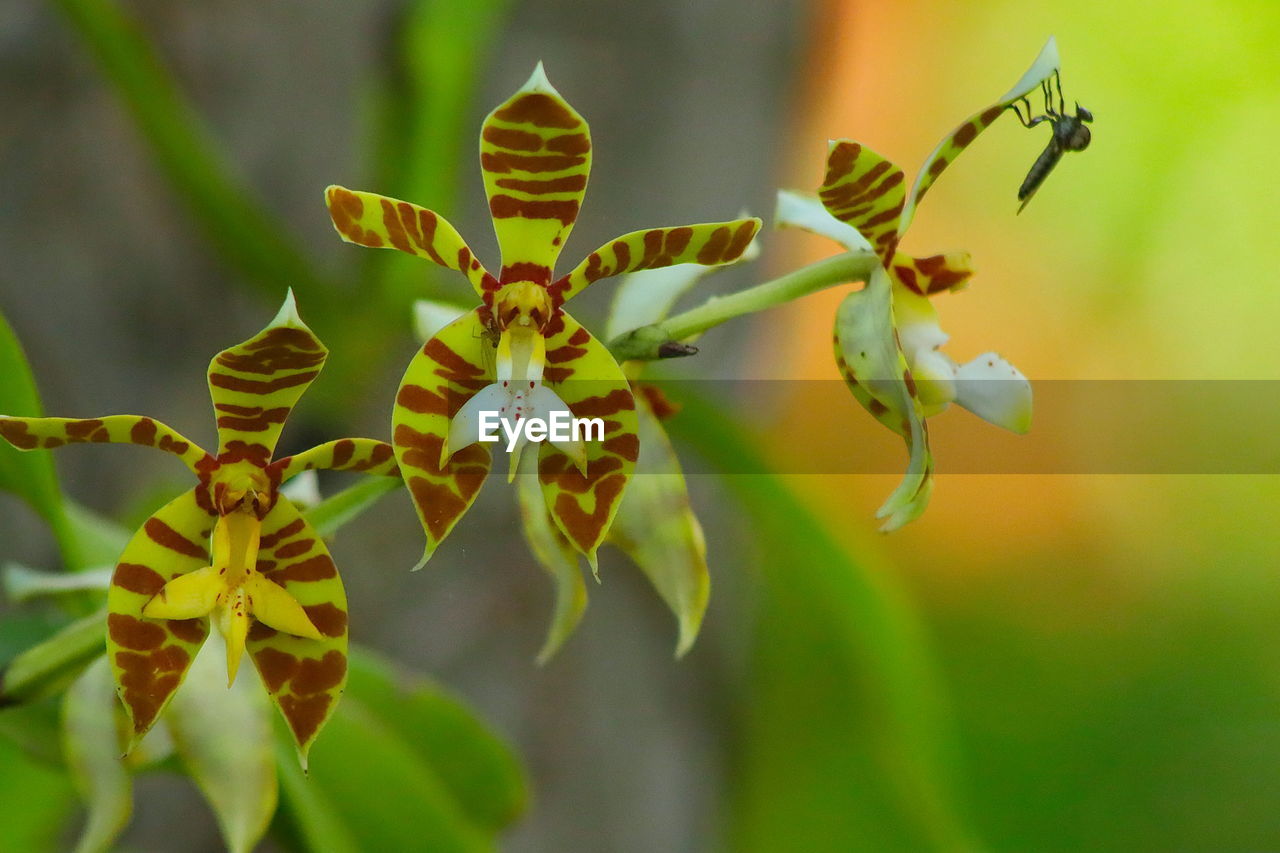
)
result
[(519, 353), (231, 548), (887, 339)]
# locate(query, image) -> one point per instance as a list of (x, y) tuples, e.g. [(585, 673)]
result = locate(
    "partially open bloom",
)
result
[(232, 548), (517, 353), (887, 338)]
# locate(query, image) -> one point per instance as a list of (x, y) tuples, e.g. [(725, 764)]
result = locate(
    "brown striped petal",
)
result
[(149, 657), (365, 455), (448, 370), (585, 376), (535, 155), (381, 222), (864, 190), (254, 385), (48, 433), (945, 152), (708, 243), (304, 676)]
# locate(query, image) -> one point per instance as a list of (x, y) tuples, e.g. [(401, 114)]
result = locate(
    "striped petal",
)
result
[(254, 385), (709, 244), (648, 296), (380, 222), (872, 363), (444, 374), (364, 455), (304, 676), (934, 274), (582, 372), (48, 433), (535, 155), (946, 151), (149, 657), (864, 190)]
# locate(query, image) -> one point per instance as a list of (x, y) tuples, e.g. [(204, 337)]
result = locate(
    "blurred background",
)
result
[(1042, 662)]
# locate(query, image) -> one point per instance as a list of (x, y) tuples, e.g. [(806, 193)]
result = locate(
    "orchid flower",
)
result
[(516, 353), (233, 548), (656, 526), (887, 337)]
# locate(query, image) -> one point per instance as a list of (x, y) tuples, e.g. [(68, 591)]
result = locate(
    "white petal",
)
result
[(920, 337), (464, 430), (996, 391), (430, 316), (1045, 64), (798, 210), (303, 491), (545, 401), (647, 296)]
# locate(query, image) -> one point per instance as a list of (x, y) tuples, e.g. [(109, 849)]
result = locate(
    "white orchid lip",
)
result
[(519, 407)]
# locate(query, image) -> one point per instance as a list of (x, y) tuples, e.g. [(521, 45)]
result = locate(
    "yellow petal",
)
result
[(186, 596), (235, 627), (276, 608)]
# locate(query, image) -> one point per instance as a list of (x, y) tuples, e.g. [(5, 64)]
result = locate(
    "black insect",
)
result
[(1069, 134)]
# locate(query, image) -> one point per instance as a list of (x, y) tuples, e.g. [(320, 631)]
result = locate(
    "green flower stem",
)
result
[(646, 343)]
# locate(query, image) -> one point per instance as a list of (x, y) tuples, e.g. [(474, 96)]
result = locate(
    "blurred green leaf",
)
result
[(245, 234), (35, 803), (319, 826), (480, 771), (36, 729), (369, 781), (92, 745), (45, 669), (344, 506), (101, 540), (29, 474), (225, 740), (844, 742)]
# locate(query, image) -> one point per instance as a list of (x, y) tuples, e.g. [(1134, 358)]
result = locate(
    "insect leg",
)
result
[(1062, 104), (1046, 91), (1026, 122)]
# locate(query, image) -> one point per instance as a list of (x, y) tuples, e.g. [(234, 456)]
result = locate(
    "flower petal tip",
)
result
[(548, 651), (1046, 62), (538, 81), (288, 313), (426, 555)]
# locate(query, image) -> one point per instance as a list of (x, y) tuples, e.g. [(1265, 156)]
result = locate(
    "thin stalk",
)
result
[(646, 342)]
